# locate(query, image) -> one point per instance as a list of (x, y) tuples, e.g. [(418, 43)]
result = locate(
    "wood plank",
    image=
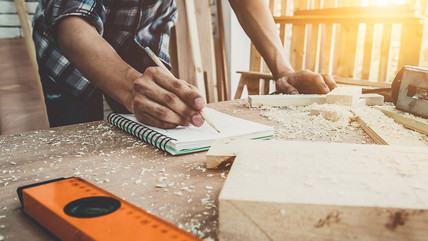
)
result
[(384, 53), (283, 27), (184, 59), (358, 195), (351, 81), (27, 31), (220, 53), (314, 41), (385, 131), (344, 95), (347, 50), (349, 19), (298, 40), (21, 105), (195, 47), (345, 9), (255, 59), (367, 55), (406, 119), (326, 43), (206, 42), (410, 45), (285, 100)]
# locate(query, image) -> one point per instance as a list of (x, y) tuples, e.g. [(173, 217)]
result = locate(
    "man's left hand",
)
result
[(305, 82)]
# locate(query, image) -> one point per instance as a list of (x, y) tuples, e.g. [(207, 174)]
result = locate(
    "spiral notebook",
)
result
[(188, 139)]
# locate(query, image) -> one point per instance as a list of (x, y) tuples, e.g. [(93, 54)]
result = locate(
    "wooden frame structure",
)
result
[(330, 31)]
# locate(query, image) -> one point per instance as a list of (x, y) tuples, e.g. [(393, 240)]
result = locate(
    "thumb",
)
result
[(286, 88)]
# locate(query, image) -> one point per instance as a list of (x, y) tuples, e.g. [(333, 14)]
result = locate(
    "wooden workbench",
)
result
[(124, 166)]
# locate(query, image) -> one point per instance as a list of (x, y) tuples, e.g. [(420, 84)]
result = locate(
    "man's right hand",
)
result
[(163, 101)]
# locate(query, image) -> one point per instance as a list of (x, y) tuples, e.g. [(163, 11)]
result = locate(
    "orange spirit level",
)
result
[(74, 209)]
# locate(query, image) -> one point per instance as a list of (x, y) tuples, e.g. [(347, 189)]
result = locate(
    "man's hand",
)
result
[(163, 101), (305, 82)]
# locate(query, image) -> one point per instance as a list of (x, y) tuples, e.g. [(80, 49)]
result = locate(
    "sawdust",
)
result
[(316, 122), (393, 132)]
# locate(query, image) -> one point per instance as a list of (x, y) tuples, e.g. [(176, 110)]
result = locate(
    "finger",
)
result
[(179, 87), (142, 104), (170, 100), (284, 87), (328, 79), (152, 121), (320, 85)]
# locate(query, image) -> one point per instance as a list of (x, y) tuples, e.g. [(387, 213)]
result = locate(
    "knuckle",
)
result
[(177, 85), (151, 71), (160, 112), (168, 98)]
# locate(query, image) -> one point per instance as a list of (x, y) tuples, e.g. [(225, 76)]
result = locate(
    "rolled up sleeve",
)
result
[(92, 11)]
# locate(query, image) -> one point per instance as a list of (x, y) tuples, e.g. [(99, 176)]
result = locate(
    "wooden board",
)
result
[(324, 191), (344, 95), (406, 119), (284, 100), (385, 131)]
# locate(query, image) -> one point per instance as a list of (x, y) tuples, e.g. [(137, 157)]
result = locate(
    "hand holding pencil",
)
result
[(161, 100), (161, 65)]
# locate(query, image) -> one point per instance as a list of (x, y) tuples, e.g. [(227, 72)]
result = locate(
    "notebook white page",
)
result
[(191, 137)]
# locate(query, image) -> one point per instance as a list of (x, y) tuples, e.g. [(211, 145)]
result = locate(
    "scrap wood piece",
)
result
[(222, 153), (385, 131), (279, 190), (284, 100), (373, 99), (406, 119), (344, 95)]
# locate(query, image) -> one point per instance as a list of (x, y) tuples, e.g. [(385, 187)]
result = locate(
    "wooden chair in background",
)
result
[(325, 38)]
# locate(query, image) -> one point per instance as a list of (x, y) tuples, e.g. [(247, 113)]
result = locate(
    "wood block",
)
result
[(289, 190), (222, 153), (344, 95), (373, 99), (285, 100)]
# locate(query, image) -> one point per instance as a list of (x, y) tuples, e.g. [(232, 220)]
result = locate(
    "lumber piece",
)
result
[(195, 46), (373, 99), (222, 153), (344, 95), (285, 100), (406, 119), (385, 131), (324, 191)]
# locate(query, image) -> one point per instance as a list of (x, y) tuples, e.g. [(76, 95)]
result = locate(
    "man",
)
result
[(86, 48)]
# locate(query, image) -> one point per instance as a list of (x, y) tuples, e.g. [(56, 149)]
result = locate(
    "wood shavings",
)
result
[(316, 122)]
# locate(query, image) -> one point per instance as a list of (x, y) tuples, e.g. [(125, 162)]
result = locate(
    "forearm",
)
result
[(256, 20), (96, 59)]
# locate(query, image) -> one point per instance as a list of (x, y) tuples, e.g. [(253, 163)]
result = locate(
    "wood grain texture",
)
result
[(385, 131), (373, 99), (298, 39), (324, 191), (205, 36), (344, 95), (21, 103), (367, 55), (406, 119), (195, 47), (285, 100), (384, 53), (410, 45)]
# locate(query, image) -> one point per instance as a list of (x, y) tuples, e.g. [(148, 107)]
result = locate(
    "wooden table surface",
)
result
[(124, 166)]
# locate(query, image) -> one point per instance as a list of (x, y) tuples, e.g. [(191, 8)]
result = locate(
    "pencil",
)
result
[(160, 64)]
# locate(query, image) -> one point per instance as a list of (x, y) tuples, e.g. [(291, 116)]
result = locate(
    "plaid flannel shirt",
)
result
[(120, 22)]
